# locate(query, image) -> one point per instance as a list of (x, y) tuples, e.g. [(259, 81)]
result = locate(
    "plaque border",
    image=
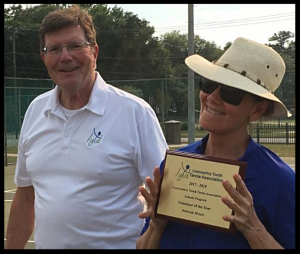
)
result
[(242, 172)]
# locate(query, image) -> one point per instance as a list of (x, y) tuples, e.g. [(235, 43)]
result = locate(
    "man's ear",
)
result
[(95, 50), (259, 110), (95, 53), (43, 57)]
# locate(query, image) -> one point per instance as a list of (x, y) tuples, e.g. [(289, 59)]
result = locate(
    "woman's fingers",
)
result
[(233, 193), (145, 193), (153, 188), (240, 194), (157, 176), (241, 204), (150, 193), (241, 186)]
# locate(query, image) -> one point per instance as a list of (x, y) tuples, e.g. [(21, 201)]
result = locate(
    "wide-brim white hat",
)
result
[(246, 65)]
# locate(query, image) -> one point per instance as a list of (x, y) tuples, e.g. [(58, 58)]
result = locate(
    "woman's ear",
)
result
[(259, 110)]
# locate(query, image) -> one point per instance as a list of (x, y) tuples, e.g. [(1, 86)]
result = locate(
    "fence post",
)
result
[(5, 137), (287, 133)]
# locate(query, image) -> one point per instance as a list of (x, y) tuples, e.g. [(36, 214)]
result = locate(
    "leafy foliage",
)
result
[(130, 54)]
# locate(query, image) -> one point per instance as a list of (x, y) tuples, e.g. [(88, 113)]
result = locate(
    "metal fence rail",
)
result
[(267, 133), (18, 94)]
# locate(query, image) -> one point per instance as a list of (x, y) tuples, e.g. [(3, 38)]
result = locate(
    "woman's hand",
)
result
[(151, 198), (244, 217)]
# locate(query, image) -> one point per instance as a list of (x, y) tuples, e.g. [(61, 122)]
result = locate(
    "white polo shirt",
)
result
[(86, 170)]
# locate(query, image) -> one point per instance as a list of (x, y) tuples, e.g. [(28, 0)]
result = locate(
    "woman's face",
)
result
[(217, 116)]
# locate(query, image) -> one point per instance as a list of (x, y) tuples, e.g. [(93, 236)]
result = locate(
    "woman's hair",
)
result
[(270, 109), (73, 15)]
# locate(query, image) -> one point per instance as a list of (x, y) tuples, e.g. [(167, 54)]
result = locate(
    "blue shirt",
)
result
[(270, 181)]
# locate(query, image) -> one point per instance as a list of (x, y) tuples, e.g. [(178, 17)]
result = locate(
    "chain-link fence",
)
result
[(168, 97), (18, 93)]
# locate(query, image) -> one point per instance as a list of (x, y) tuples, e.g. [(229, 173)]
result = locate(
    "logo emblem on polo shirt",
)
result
[(94, 139)]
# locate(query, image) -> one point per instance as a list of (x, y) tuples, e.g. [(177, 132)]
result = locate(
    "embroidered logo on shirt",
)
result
[(94, 139)]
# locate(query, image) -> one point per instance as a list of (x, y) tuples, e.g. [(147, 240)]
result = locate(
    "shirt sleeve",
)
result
[(151, 145)]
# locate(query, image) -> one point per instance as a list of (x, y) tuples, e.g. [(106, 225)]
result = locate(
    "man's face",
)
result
[(70, 68)]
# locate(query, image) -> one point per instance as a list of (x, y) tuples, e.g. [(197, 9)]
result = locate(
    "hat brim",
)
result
[(231, 78)]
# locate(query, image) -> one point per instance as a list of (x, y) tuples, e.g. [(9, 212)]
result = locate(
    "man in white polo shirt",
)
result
[(85, 148)]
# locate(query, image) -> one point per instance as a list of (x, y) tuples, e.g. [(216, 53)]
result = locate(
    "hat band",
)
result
[(244, 73)]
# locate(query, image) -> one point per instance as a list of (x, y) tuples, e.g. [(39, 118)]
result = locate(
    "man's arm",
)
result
[(21, 218)]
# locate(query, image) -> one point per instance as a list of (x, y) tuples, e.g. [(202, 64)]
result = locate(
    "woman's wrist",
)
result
[(157, 224)]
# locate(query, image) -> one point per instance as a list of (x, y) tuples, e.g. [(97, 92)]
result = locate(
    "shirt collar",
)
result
[(98, 97), (251, 146), (96, 103)]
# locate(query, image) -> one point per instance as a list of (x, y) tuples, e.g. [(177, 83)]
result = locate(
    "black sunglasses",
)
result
[(228, 94)]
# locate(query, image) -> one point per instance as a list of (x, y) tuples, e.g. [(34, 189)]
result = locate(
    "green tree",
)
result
[(129, 51), (21, 25), (207, 49), (280, 41), (176, 45), (284, 44), (227, 45)]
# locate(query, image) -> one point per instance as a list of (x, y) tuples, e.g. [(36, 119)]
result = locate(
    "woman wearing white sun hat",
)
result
[(235, 90)]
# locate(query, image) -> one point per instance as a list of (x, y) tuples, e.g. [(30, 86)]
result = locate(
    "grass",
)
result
[(12, 150), (198, 133), (281, 149), (11, 160)]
